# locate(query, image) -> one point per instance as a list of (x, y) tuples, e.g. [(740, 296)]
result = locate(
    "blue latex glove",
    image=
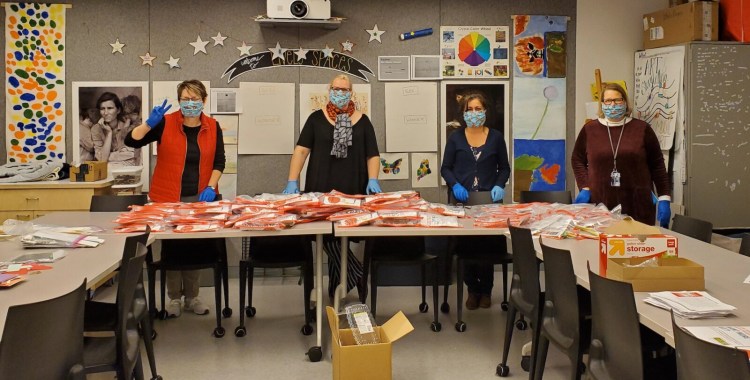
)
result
[(583, 197), (292, 187), (654, 198), (460, 193), (157, 114), (207, 195), (663, 213), (497, 194), (373, 187)]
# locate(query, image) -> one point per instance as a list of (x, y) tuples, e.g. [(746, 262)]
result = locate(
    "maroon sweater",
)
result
[(639, 161)]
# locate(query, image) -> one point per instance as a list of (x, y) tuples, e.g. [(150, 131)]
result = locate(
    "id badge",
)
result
[(614, 178)]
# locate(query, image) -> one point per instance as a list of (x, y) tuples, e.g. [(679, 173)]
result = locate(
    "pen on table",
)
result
[(415, 34)]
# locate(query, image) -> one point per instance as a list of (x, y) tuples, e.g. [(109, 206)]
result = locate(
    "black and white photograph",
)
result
[(225, 101)]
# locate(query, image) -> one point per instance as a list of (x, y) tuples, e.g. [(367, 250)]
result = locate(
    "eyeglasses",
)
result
[(190, 99), (340, 89), (610, 102)]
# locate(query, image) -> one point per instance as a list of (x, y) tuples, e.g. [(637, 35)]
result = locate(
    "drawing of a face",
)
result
[(108, 111)]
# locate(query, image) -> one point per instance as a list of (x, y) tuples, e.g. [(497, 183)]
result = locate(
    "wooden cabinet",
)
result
[(29, 200)]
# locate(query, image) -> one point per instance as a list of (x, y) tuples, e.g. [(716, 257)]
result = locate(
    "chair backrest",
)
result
[(393, 245), (698, 359), (563, 197), (525, 290), (475, 198), (693, 227), (110, 203), (277, 248), (745, 245), (44, 340), (126, 332), (615, 351), (560, 292)]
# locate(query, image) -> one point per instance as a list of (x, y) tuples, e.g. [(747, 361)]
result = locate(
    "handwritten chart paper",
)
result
[(267, 119), (411, 123)]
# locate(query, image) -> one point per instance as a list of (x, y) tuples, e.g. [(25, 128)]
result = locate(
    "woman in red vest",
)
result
[(190, 161)]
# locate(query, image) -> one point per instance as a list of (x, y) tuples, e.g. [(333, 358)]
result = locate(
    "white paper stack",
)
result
[(50, 239), (690, 304)]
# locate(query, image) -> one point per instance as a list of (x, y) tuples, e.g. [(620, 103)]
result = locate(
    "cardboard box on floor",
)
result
[(370, 361), (673, 273), (693, 21), (630, 238), (89, 171)]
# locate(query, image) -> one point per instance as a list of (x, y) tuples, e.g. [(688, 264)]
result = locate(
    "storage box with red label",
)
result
[(629, 238)]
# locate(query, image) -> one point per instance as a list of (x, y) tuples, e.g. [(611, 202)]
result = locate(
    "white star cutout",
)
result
[(219, 39), (244, 49), (147, 59), (375, 34), (301, 54), (117, 47), (278, 52), (173, 62), (327, 52), (347, 45), (199, 45)]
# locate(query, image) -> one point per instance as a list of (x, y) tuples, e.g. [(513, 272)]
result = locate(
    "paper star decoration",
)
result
[(173, 62), (327, 52), (347, 45), (117, 47), (301, 54), (375, 34), (219, 39), (199, 45), (244, 49), (278, 52), (147, 59)]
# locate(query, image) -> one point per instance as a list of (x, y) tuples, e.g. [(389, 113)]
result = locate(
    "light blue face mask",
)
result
[(339, 98), (475, 119), (614, 111), (191, 108)]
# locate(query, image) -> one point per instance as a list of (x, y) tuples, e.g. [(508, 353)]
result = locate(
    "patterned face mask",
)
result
[(475, 119), (339, 98), (614, 111), (191, 108)]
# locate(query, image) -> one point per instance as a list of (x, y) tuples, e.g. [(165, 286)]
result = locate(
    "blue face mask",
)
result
[(339, 98), (475, 119), (614, 111), (191, 108)]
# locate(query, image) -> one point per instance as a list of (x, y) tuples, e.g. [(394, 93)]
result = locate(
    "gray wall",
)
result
[(166, 27)]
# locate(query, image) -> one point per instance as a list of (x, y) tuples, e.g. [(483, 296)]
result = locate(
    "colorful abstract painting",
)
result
[(35, 82), (425, 170), (394, 166), (539, 103)]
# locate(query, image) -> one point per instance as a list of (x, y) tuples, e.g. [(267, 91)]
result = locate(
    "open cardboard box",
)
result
[(370, 361), (673, 273), (629, 238), (89, 171)]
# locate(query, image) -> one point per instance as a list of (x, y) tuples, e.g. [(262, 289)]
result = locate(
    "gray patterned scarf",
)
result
[(342, 135)]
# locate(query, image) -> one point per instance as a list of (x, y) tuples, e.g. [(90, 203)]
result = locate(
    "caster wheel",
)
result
[(460, 326), (526, 363), (502, 370), (227, 312), (219, 332), (445, 308), (163, 315), (504, 305), (250, 311), (153, 335), (423, 307), (307, 330), (436, 326), (240, 331), (157, 377), (315, 354), (521, 324)]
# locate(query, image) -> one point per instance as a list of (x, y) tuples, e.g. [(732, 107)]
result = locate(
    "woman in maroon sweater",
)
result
[(617, 160)]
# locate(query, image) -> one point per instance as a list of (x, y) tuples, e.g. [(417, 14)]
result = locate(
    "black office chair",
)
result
[(401, 251), (44, 340), (566, 315), (275, 252), (745, 245), (563, 197), (525, 294), (110, 203), (120, 353), (693, 227), (191, 254), (615, 351), (699, 360), (477, 249)]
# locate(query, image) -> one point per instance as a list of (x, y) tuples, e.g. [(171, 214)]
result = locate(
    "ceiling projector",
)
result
[(299, 9)]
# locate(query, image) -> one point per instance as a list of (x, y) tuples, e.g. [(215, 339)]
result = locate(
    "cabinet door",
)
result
[(46, 199), (23, 215)]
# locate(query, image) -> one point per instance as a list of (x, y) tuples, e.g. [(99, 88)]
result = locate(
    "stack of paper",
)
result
[(690, 304), (51, 239), (732, 336)]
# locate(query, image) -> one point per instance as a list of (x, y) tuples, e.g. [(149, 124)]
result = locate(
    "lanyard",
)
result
[(612, 145)]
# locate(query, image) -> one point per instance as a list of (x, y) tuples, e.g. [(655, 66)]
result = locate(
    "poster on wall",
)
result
[(103, 115), (394, 166), (539, 46), (229, 125), (35, 82), (313, 97), (267, 119), (411, 117), (474, 52), (425, 170)]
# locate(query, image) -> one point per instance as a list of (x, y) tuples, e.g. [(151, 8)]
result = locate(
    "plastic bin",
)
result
[(126, 175), (130, 189)]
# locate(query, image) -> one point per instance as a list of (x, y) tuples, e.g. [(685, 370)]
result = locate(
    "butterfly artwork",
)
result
[(394, 166), (423, 174)]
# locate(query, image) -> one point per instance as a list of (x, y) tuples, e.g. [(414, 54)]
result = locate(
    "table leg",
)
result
[(315, 353), (341, 289)]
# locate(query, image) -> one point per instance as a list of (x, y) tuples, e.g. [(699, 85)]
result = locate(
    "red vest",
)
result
[(166, 182)]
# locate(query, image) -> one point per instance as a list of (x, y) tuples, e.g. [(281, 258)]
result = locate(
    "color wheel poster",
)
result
[(474, 52)]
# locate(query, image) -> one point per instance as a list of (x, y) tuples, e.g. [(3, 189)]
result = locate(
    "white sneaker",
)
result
[(196, 305), (174, 309)]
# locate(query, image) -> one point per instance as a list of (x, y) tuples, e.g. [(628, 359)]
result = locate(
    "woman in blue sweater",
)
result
[(476, 159)]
